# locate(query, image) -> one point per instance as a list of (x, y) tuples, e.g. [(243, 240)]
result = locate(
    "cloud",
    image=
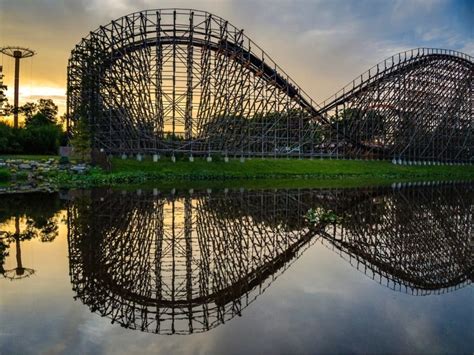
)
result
[(321, 44), (468, 48)]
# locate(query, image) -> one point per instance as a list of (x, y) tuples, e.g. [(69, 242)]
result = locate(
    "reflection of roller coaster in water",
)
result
[(187, 263)]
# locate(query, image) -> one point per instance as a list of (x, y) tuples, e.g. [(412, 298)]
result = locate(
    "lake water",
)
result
[(365, 270)]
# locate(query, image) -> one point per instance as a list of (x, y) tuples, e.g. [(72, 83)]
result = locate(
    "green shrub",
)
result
[(81, 141), (4, 175), (21, 175), (10, 139), (32, 139), (41, 139)]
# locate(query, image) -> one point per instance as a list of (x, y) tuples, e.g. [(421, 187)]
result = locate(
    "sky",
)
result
[(321, 44)]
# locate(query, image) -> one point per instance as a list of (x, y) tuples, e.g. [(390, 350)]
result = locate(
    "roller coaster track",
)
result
[(235, 52), (430, 86), (178, 80), (393, 66)]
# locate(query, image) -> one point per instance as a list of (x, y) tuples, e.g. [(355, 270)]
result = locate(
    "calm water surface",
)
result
[(366, 270)]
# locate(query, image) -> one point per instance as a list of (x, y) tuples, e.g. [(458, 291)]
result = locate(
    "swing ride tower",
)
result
[(17, 53)]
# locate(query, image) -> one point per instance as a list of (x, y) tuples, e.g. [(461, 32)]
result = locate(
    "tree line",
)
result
[(42, 132)]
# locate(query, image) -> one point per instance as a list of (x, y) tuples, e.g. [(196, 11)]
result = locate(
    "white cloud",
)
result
[(321, 44), (468, 48)]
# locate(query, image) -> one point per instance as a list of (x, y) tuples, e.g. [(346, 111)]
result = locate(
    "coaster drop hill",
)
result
[(186, 81)]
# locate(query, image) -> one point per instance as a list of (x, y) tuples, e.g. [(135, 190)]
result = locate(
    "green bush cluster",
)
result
[(40, 135), (31, 139), (4, 175)]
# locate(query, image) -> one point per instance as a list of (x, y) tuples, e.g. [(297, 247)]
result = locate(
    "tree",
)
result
[(38, 119), (40, 135), (41, 113), (10, 139), (3, 100), (81, 140), (41, 138), (48, 108), (28, 110), (360, 125), (7, 109), (3, 253)]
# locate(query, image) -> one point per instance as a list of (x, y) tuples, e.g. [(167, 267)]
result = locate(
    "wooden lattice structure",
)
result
[(186, 81), (416, 106)]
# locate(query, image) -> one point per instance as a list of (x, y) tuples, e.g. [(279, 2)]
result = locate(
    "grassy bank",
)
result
[(263, 173), (253, 173), (283, 168)]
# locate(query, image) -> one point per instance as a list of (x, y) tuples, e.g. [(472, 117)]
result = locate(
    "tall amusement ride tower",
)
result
[(17, 53)]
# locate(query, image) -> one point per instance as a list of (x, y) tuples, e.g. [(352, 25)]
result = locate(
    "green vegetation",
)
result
[(81, 141), (4, 175), (360, 124), (41, 133), (253, 173), (284, 168), (261, 173), (33, 139), (319, 215)]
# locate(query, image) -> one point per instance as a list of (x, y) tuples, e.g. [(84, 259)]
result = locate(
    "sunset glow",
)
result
[(325, 31)]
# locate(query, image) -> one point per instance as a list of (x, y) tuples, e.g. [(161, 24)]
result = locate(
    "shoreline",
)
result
[(253, 172)]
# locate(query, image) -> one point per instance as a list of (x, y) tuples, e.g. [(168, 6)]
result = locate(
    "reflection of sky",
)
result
[(320, 304)]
